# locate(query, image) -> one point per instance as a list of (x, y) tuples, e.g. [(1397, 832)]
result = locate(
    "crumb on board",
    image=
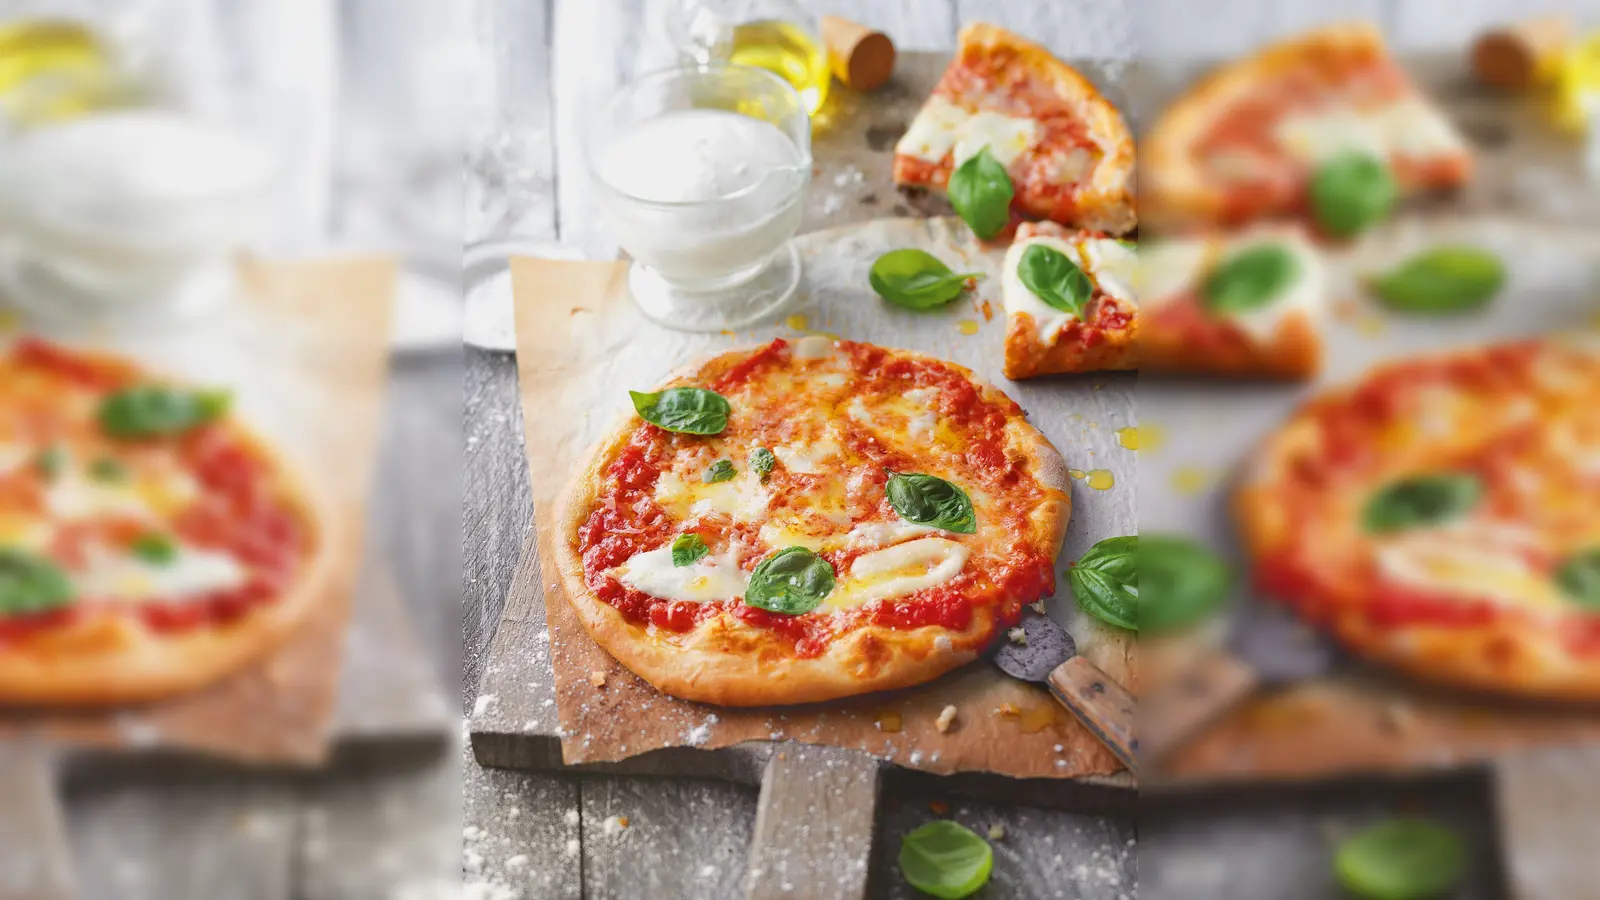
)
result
[(1008, 710), (997, 832), (614, 825), (1018, 636), (597, 678), (1037, 606), (947, 717)]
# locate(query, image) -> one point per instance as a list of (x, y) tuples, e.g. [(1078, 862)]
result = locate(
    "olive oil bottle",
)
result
[(788, 50), (51, 69)]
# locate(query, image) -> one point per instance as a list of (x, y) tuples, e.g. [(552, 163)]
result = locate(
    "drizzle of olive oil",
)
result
[(967, 326), (887, 720), (789, 51), (1035, 719), (1100, 479), (798, 321), (51, 69)]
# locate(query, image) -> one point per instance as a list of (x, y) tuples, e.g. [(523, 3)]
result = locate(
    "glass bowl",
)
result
[(700, 172)]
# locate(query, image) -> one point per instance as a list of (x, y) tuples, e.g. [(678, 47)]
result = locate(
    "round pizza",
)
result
[(149, 544), (811, 520), (1443, 515)]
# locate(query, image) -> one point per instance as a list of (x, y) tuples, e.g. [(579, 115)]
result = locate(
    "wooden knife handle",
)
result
[(1175, 711), (1102, 705)]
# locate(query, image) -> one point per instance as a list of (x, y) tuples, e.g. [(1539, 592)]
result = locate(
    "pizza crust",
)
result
[(726, 662), (1103, 203), (1293, 352), (121, 662)]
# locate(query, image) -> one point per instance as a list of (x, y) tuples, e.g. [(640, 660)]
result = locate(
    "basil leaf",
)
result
[(721, 470), (107, 469), (31, 584), (1421, 500), (916, 279), (50, 462), (1180, 582), (929, 500), (1105, 581), (150, 411), (946, 860), (1055, 279), (981, 192), (1350, 193), (762, 462), (1579, 576), (1250, 279), (792, 581), (155, 548), (1441, 280), (687, 548), (1401, 860), (686, 410)]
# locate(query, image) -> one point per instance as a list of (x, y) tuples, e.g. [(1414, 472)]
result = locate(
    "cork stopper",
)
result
[(860, 57), (1517, 56)]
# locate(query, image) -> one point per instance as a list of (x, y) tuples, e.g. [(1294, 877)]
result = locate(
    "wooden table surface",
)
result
[(540, 835)]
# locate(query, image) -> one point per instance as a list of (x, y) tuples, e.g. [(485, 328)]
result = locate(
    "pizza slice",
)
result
[(1069, 299), (1251, 304), (1067, 151), (1251, 140), (149, 544)]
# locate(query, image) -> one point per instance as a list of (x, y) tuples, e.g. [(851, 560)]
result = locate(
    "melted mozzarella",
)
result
[(744, 498), (812, 460), (943, 128), (883, 534), (1113, 266), (73, 496), (715, 576), (1170, 268), (1410, 128), (899, 570), (193, 573), (1470, 561), (922, 420)]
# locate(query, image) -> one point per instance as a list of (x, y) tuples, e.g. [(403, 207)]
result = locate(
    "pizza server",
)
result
[(1048, 655)]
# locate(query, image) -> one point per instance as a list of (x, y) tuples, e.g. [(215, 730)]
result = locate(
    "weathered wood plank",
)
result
[(1547, 803), (814, 824), (684, 839), (522, 835), (177, 835), (35, 863)]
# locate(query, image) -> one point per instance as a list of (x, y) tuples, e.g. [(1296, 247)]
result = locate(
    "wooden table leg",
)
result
[(35, 862), (814, 823)]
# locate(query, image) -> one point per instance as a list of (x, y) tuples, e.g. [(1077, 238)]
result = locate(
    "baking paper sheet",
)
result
[(582, 345), (304, 348)]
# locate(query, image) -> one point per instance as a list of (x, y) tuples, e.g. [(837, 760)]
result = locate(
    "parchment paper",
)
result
[(1359, 719), (582, 345), (304, 349)]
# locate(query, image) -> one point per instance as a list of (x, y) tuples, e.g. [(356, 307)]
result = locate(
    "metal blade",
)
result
[(1047, 646)]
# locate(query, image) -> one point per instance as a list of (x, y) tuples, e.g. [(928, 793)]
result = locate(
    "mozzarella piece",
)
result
[(812, 460), (193, 573), (715, 576), (1170, 268), (1113, 266), (1410, 128), (813, 346), (899, 570), (943, 128)]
